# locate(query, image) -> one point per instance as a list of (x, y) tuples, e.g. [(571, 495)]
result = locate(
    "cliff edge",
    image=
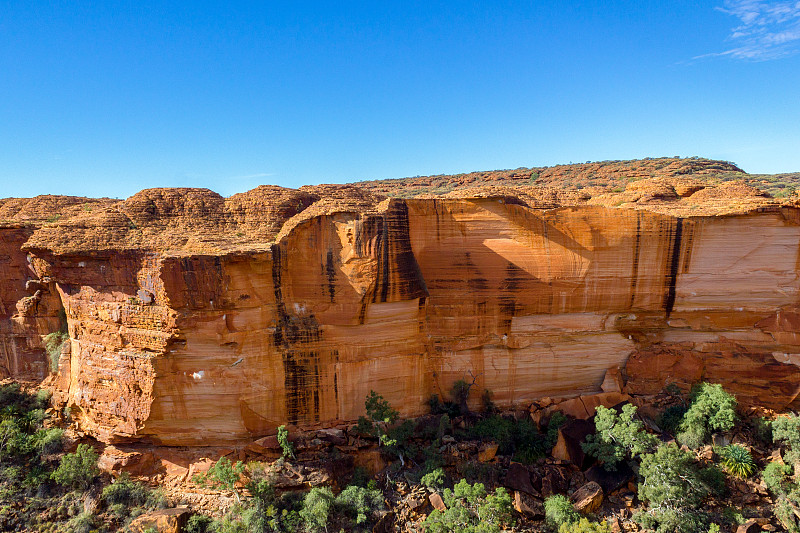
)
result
[(189, 318)]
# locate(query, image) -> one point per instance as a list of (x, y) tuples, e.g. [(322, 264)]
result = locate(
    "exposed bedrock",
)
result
[(183, 348)]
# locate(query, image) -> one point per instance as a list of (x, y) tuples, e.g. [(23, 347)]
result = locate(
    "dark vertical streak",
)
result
[(330, 271), (636, 247), (673, 267), (300, 366)]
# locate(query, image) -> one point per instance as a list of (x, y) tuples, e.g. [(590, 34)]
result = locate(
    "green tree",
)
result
[(559, 512), (471, 510), (360, 502), (787, 429), (711, 409), (316, 509), (673, 487), (78, 470), (223, 474), (776, 477), (379, 410), (283, 441), (381, 424), (618, 436), (434, 480)]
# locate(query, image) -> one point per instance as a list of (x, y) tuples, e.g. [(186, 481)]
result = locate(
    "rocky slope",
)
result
[(197, 319)]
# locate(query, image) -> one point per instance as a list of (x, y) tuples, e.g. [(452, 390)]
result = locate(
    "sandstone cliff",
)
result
[(197, 319)]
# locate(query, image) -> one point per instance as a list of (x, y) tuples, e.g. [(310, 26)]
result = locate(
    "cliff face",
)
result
[(179, 337)]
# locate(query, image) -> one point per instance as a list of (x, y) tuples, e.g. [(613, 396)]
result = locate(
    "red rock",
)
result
[(114, 460), (612, 382), (588, 498), (385, 523), (528, 505), (437, 502), (751, 526), (570, 437), (200, 467), (199, 320), (163, 521), (370, 460), (487, 452), (518, 478)]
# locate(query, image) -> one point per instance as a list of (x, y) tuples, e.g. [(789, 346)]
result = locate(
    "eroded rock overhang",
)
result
[(191, 348)]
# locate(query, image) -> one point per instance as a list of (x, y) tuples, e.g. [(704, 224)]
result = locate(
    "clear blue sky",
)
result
[(107, 98)]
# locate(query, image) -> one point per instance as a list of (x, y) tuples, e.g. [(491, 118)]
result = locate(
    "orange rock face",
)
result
[(195, 320)]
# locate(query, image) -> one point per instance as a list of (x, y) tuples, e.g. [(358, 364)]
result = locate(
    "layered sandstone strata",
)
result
[(195, 319)]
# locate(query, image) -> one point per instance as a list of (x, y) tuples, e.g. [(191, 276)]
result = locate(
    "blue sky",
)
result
[(107, 98)]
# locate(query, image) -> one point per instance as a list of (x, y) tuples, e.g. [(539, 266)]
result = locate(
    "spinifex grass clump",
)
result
[(737, 460)]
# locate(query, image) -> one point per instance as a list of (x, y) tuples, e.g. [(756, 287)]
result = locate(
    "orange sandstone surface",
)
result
[(195, 319)]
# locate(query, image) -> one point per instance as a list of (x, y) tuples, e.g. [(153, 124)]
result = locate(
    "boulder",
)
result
[(385, 523), (554, 481), (612, 382), (528, 505), (437, 502), (487, 452), (518, 478), (588, 498), (610, 481), (751, 526), (164, 521), (570, 437), (114, 460), (371, 460)]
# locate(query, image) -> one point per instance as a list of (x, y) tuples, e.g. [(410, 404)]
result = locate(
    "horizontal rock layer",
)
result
[(403, 298)]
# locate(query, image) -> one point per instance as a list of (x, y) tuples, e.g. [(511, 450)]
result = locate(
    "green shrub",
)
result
[(434, 480), (733, 516), (379, 410), (584, 525), (198, 523), (124, 494), (283, 441), (785, 510), (762, 429), (557, 419), (359, 502), (438, 407), (13, 440), (713, 479), (53, 342), (471, 510), (670, 418), (618, 436), (316, 508), (787, 429), (85, 522), (360, 476), (77, 470), (48, 441), (519, 437), (711, 409), (673, 488), (223, 474), (670, 478), (737, 460), (776, 477), (559, 512), (382, 416), (668, 520)]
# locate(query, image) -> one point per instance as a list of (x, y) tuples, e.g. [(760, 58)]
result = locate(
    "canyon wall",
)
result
[(195, 341)]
